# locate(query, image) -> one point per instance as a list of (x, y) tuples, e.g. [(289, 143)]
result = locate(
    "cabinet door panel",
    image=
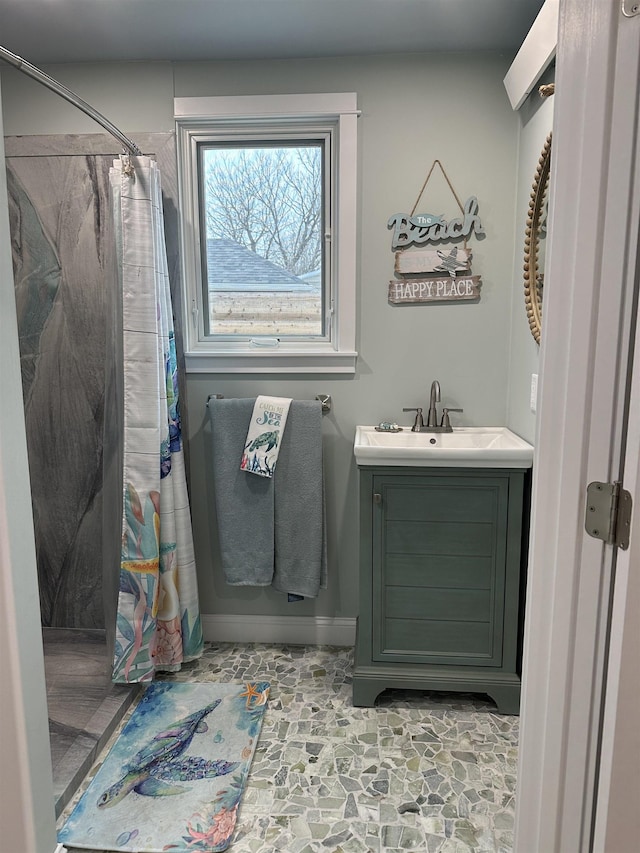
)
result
[(438, 570), (440, 642), (441, 501), (462, 605), (439, 537)]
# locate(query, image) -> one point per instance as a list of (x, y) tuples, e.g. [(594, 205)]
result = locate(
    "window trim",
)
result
[(197, 117)]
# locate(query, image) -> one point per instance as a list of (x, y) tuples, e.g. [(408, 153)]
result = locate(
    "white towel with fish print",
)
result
[(266, 427)]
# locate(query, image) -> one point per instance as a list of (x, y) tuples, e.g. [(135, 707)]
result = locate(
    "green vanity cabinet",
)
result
[(441, 581)]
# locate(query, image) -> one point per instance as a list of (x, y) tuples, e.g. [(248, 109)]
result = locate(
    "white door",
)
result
[(617, 818), (588, 328)]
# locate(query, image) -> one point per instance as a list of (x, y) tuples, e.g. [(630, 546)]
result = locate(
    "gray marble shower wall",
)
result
[(69, 323)]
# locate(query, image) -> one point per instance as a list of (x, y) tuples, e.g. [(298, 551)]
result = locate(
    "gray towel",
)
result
[(244, 504), (271, 529), (300, 543)]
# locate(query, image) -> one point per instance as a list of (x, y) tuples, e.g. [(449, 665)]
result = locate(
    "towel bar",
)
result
[(325, 400)]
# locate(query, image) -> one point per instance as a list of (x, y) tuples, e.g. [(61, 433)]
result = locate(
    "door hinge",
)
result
[(377, 498), (630, 8), (608, 513)]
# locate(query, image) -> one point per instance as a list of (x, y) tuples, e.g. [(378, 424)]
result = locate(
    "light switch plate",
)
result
[(533, 402)]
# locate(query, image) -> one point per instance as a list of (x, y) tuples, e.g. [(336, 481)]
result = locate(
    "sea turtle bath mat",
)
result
[(173, 779)]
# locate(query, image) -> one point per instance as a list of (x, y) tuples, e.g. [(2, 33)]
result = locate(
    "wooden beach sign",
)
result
[(446, 289), (446, 261), (441, 272)]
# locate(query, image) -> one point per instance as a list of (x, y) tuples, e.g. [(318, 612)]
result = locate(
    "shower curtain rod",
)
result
[(31, 71)]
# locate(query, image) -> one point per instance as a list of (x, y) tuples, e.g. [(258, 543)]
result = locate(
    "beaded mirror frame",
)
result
[(533, 262)]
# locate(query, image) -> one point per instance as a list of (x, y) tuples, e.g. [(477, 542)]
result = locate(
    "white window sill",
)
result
[(250, 361)]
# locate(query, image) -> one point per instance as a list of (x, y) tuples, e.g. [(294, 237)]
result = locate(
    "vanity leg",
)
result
[(365, 692), (507, 698)]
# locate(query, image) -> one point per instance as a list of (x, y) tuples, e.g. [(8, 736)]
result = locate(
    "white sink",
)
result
[(465, 447)]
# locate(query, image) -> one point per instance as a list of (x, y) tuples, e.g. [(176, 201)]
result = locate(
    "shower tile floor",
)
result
[(84, 707), (420, 771)]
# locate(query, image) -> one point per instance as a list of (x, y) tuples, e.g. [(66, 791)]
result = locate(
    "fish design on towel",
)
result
[(153, 770)]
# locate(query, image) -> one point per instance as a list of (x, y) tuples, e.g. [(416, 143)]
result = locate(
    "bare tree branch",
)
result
[(269, 200)]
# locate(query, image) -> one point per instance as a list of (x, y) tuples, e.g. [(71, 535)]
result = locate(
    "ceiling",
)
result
[(54, 31)]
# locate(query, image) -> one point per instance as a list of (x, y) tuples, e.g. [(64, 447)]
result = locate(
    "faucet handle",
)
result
[(418, 424), (446, 423)]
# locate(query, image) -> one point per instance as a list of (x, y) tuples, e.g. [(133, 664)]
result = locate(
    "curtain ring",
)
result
[(127, 165)]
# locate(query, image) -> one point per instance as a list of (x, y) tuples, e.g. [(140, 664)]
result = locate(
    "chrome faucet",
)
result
[(432, 415), (434, 397), (418, 424)]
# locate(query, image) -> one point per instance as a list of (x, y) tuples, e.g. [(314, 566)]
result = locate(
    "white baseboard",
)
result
[(292, 630)]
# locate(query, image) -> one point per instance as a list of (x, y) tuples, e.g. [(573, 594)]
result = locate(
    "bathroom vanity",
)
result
[(442, 553)]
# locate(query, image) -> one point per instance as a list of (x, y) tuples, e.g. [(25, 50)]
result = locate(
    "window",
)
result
[(268, 210), (262, 207)]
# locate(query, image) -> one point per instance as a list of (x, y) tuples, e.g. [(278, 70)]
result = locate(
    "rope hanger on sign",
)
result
[(446, 177)]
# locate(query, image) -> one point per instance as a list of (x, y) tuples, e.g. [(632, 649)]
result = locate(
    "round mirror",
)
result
[(535, 242)]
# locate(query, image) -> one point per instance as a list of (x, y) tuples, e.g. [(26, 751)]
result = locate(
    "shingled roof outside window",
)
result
[(231, 267)]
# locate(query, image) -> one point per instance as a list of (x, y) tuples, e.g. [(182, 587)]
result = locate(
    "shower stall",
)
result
[(67, 306), (70, 331)]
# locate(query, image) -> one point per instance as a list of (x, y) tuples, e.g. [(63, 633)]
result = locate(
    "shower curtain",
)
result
[(158, 621)]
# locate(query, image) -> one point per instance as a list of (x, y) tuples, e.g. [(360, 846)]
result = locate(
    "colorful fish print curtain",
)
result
[(158, 621)]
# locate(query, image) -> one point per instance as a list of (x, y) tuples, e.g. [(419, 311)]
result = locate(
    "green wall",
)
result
[(415, 108)]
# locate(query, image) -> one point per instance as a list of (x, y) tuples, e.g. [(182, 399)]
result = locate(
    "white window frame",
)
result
[(197, 119), (269, 137)]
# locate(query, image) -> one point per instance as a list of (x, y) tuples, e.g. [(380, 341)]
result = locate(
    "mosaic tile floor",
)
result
[(421, 771)]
